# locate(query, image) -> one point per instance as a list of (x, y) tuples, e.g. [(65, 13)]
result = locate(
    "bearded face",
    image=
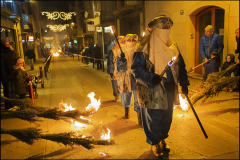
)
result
[(131, 43)]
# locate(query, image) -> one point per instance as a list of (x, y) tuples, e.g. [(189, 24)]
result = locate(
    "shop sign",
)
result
[(30, 38), (107, 29), (99, 29), (91, 27)]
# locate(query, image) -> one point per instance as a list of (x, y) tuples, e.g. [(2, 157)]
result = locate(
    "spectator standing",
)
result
[(91, 52), (208, 43), (98, 55), (86, 53), (7, 62), (20, 78), (31, 56)]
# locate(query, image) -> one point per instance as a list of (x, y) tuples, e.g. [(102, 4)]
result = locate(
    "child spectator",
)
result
[(214, 64), (20, 78)]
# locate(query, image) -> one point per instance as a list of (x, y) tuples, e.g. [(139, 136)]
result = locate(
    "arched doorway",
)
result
[(211, 16)]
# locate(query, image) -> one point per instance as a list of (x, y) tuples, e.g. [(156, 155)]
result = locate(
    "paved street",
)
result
[(70, 81)]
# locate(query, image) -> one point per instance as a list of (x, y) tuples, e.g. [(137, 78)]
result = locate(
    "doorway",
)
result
[(211, 16)]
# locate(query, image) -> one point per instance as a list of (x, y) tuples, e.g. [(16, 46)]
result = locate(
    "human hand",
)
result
[(156, 79), (206, 59), (122, 56)]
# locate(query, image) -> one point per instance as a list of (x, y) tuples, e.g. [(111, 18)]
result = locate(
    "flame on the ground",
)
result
[(183, 103), (94, 103), (81, 117), (66, 107), (55, 54), (102, 153), (106, 136), (78, 125)]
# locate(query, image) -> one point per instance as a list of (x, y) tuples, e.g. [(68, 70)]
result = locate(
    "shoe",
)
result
[(139, 119), (157, 151), (127, 112), (164, 146)]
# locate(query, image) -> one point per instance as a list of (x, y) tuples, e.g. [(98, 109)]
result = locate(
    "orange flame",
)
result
[(94, 103), (55, 54), (106, 136)]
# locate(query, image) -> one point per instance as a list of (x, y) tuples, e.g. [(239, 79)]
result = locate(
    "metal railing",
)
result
[(94, 59)]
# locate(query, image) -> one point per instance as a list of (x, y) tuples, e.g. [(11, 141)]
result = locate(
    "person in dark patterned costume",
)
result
[(157, 95)]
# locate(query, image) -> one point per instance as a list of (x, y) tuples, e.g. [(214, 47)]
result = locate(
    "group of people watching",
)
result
[(211, 45), (93, 53), (14, 78)]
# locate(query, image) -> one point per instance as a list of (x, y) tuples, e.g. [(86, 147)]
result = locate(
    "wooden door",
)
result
[(211, 16)]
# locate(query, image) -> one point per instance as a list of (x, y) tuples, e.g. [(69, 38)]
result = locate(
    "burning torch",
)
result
[(122, 54), (199, 122)]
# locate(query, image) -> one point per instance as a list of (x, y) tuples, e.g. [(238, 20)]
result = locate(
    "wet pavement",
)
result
[(70, 81)]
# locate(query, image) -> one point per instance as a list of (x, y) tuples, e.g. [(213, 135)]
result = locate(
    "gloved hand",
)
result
[(111, 75), (156, 79), (185, 90), (122, 56)]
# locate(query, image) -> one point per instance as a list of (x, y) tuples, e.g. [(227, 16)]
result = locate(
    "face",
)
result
[(131, 43), (7, 44), (207, 33), (237, 33), (228, 58), (21, 64)]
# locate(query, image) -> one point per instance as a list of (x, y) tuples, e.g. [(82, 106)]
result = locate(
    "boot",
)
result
[(164, 146), (127, 112), (157, 151), (139, 119)]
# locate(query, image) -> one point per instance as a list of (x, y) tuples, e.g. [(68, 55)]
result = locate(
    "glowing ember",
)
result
[(173, 58), (180, 115), (106, 136), (183, 103), (94, 103), (143, 34), (55, 54)]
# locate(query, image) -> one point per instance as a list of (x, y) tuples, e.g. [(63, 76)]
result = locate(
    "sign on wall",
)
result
[(30, 38)]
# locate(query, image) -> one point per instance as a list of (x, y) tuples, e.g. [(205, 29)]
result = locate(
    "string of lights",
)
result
[(48, 38), (58, 28), (62, 15)]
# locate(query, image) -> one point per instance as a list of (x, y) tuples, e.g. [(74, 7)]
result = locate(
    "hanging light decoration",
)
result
[(58, 28), (62, 15), (48, 38)]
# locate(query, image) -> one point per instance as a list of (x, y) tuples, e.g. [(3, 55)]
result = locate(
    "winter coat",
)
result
[(20, 81), (97, 52), (227, 64), (8, 60), (208, 43), (86, 52), (212, 65), (149, 95), (30, 54)]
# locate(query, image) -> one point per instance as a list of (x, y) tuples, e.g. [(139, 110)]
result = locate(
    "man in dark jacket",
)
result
[(31, 56), (86, 53), (208, 43), (7, 63), (91, 52), (98, 55)]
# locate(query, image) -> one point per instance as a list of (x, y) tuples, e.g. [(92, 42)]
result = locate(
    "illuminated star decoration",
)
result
[(56, 15), (58, 28)]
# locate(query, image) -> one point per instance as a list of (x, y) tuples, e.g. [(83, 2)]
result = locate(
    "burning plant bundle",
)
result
[(29, 136), (213, 85), (27, 111)]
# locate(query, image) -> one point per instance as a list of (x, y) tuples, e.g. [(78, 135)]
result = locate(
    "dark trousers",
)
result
[(99, 64), (22, 96), (9, 92), (157, 122)]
